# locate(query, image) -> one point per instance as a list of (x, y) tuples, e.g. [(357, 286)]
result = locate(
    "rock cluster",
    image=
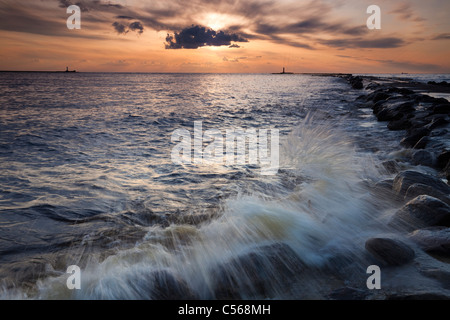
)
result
[(423, 220)]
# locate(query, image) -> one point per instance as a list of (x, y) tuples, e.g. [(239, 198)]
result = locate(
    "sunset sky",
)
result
[(248, 36)]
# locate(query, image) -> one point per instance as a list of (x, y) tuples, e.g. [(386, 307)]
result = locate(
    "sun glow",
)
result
[(215, 21), (220, 21)]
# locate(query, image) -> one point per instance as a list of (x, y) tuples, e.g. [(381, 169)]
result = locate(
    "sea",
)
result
[(88, 179)]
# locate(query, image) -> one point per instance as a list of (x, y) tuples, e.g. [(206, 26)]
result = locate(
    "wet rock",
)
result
[(378, 96), (438, 133), (401, 124), (413, 136), (421, 212), (423, 157), (436, 123), (391, 166), (434, 239), (424, 98), (384, 188), (260, 272), (166, 286), (418, 189), (422, 143), (443, 277), (356, 82), (395, 111), (373, 86), (407, 178), (392, 252), (402, 91), (443, 159), (441, 109), (447, 171)]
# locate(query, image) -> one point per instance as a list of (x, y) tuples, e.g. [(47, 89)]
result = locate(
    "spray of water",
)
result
[(322, 216)]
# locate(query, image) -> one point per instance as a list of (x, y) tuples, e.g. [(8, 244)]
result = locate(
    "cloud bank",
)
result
[(197, 36)]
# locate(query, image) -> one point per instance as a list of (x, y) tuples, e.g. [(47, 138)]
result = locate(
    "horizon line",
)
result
[(150, 72)]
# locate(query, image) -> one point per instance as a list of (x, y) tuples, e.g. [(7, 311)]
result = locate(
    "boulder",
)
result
[(442, 159), (413, 136), (436, 123), (407, 178), (402, 91), (421, 212), (378, 96), (401, 124), (258, 273), (447, 171), (422, 143), (156, 285), (373, 86), (441, 109), (395, 110), (356, 82), (391, 252), (434, 239), (442, 276), (423, 157), (167, 286), (418, 189)]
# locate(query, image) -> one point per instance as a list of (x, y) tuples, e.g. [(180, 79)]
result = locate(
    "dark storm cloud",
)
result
[(124, 17), (381, 43), (197, 36), (136, 26), (124, 29), (120, 28)]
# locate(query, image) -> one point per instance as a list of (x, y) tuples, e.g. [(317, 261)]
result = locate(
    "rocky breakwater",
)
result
[(421, 225)]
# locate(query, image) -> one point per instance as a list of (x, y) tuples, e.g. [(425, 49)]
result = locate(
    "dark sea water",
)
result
[(87, 179)]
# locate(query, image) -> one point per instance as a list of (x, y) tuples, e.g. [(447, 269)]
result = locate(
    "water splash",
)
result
[(324, 214)]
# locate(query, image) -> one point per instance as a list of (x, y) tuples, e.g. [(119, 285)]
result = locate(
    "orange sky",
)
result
[(264, 35)]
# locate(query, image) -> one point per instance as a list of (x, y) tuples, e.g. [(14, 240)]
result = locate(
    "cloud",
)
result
[(18, 17), (442, 36), (86, 6), (399, 65), (120, 28), (234, 45), (136, 26), (124, 17), (381, 43), (406, 13), (67, 3), (197, 36), (292, 23), (124, 29)]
